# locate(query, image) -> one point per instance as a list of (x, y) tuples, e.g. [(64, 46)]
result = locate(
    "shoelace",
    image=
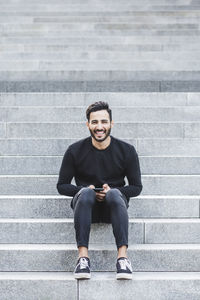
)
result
[(83, 263), (124, 263)]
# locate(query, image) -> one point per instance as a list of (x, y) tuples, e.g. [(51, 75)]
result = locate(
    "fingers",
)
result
[(105, 186), (91, 186), (100, 196)]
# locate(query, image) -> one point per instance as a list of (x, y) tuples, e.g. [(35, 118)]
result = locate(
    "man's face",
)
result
[(100, 125)]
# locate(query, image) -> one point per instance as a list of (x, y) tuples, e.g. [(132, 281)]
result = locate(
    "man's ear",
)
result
[(87, 124), (112, 124)]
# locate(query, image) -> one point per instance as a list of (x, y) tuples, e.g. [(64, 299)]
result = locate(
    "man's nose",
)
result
[(99, 126)]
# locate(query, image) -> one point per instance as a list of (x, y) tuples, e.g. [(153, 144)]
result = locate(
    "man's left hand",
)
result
[(100, 196)]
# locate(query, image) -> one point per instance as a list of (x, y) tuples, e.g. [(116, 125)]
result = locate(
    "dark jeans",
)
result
[(112, 210)]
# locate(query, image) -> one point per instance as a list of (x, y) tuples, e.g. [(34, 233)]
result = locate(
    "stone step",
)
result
[(59, 207), (152, 185), (50, 165), (66, 8), (122, 130), (61, 231), (44, 207), (100, 33), (139, 47), (106, 10), (62, 257), (114, 99), (136, 86), (103, 65), (145, 285), (37, 27), (63, 48), (180, 17), (37, 285), (105, 79), (37, 231), (143, 2), (99, 40), (120, 113), (15, 48), (100, 56), (182, 147)]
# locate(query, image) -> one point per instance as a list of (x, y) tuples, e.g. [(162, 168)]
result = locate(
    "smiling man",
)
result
[(99, 165)]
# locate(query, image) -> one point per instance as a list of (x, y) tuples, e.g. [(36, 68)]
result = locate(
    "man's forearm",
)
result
[(130, 190), (68, 189)]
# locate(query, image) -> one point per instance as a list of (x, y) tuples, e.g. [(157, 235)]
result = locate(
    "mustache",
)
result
[(99, 130)]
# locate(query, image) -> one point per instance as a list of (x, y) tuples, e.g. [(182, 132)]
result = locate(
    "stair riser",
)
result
[(138, 208), (42, 233), (64, 260), (139, 232), (51, 165), (152, 185), (76, 114)]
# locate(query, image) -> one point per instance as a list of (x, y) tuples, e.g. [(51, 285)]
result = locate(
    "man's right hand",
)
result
[(99, 195)]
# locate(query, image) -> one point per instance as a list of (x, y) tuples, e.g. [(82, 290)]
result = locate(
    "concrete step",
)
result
[(152, 185), (51, 48), (15, 48), (143, 2), (39, 27), (120, 113), (145, 285), (96, 66), (182, 147), (100, 56), (55, 231), (45, 207), (100, 33), (53, 257), (179, 147), (49, 165), (98, 78), (121, 130), (66, 8), (168, 18), (106, 40), (114, 99), (61, 231), (112, 10), (97, 10), (24, 85)]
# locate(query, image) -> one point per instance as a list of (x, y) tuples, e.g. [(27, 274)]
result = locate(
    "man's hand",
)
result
[(91, 187), (100, 196)]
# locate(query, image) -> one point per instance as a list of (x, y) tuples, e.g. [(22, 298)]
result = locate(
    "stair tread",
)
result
[(99, 276)]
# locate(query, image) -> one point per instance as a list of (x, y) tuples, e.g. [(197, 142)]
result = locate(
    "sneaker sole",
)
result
[(82, 276), (124, 276)]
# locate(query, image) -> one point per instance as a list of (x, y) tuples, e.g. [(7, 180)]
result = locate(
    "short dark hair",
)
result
[(100, 105)]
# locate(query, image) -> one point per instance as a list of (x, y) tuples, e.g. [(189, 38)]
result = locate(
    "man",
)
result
[(100, 161)]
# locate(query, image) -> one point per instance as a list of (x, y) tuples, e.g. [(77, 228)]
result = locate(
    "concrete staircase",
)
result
[(71, 46), (38, 250), (56, 58)]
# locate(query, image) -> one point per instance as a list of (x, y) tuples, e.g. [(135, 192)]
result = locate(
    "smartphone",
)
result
[(98, 189)]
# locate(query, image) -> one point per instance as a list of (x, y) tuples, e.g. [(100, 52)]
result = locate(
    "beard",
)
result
[(100, 140)]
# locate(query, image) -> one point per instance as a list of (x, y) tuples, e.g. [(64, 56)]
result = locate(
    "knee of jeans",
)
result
[(87, 196), (112, 196)]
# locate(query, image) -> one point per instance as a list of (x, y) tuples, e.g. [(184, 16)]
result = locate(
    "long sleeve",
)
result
[(67, 172), (133, 175)]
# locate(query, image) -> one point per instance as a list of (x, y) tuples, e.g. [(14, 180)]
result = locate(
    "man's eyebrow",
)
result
[(99, 120)]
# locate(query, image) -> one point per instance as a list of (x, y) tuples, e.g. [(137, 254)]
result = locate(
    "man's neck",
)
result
[(101, 145)]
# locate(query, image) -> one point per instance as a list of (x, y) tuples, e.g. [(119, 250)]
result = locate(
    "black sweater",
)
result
[(89, 165)]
